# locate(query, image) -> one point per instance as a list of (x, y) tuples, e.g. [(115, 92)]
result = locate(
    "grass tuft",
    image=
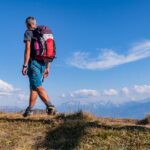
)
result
[(145, 121)]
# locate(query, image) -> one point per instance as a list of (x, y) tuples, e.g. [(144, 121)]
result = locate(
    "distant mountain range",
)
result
[(9, 109), (127, 110)]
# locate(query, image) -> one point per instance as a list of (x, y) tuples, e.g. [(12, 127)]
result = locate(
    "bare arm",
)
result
[(46, 72), (27, 53), (26, 57), (48, 66)]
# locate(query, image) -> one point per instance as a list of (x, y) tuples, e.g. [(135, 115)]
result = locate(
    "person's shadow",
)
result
[(68, 134)]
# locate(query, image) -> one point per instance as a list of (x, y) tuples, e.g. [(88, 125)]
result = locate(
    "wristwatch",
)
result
[(25, 66)]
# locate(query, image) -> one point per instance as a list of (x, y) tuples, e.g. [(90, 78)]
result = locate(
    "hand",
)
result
[(24, 71), (46, 72)]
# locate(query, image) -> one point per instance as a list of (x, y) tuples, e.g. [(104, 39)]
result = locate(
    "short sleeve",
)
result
[(27, 36)]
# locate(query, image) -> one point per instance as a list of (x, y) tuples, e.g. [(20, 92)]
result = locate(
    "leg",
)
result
[(43, 95), (51, 110), (33, 97)]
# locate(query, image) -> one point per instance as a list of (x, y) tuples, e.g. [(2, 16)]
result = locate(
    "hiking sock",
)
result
[(48, 103), (29, 108), (28, 112)]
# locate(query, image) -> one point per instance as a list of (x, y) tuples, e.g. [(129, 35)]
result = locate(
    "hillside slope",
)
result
[(79, 131)]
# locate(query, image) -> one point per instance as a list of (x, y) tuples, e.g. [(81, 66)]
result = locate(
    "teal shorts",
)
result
[(35, 73)]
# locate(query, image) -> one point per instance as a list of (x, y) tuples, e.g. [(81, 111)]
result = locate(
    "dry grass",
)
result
[(145, 121), (78, 131)]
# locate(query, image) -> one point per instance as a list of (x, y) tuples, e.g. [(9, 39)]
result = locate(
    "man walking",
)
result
[(36, 70)]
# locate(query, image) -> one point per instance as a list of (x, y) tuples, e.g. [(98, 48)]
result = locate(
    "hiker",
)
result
[(37, 63)]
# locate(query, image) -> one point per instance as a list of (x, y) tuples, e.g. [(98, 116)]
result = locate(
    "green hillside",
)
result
[(79, 131)]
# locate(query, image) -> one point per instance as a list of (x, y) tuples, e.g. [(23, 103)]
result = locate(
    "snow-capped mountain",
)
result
[(126, 110)]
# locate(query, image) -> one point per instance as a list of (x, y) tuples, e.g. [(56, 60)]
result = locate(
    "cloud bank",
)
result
[(116, 96), (108, 58), (9, 95), (84, 93)]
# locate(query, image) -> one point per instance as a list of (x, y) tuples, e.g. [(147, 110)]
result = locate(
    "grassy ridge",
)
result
[(80, 131)]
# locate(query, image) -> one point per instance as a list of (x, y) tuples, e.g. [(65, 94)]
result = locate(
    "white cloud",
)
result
[(142, 89), (125, 91), (110, 92), (5, 87), (108, 58), (136, 93), (63, 95), (22, 96), (84, 93), (10, 94), (5, 94)]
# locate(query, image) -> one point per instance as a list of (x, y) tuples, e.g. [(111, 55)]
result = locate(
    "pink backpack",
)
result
[(43, 44)]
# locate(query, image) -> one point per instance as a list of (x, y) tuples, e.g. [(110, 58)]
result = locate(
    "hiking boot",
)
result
[(51, 110), (28, 112)]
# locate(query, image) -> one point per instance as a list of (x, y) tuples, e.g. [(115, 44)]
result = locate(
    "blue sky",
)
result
[(103, 49)]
